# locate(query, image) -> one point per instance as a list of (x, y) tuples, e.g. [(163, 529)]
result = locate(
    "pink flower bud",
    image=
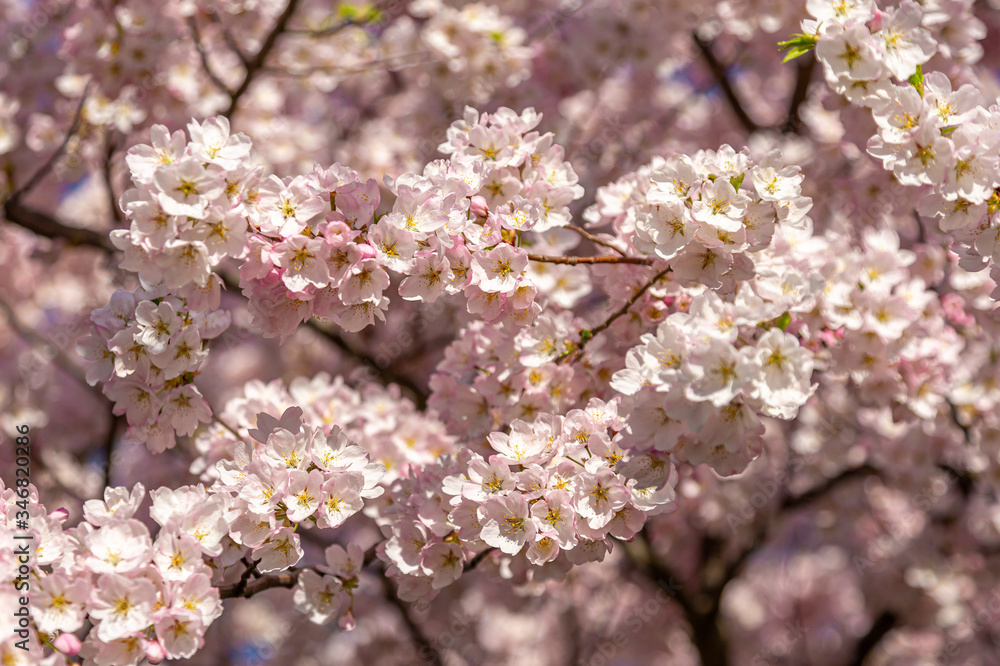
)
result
[(155, 652), (479, 206), (367, 251), (67, 643), (60, 515), (876, 23), (346, 621)]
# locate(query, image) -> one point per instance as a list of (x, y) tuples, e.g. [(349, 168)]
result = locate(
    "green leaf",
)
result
[(783, 321), (359, 13), (799, 45), (917, 80), (736, 181), (947, 131)]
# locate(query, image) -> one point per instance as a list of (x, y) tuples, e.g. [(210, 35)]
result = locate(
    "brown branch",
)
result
[(793, 123), (203, 56), (255, 62), (426, 648), (54, 157), (346, 23), (828, 485), (587, 336), (386, 374), (111, 146), (719, 72), (246, 590), (882, 625), (109, 448), (597, 240), (477, 560), (573, 261), (43, 224), (228, 37), (701, 611), (59, 356)]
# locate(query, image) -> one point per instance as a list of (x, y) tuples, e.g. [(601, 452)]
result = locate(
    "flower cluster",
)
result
[(466, 214), (147, 347), (929, 132), (702, 213), (154, 598), (554, 491), (386, 425), (146, 598), (702, 379), (490, 377), (294, 476), (187, 210), (475, 48)]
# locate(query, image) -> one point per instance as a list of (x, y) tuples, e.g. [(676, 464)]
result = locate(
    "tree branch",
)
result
[(882, 625), (587, 336), (719, 72), (255, 62), (597, 240), (573, 261), (828, 485), (793, 123), (54, 157), (43, 224), (203, 56)]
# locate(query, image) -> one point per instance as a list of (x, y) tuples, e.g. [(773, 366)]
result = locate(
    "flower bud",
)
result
[(347, 621), (876, 23), (60, 515), (155, 652), (479, 207), (67, 643), (367, 251)]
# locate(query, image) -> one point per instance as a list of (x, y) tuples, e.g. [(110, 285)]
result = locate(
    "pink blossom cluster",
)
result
[(154, 598), (702, 213), (879, 329), (490, 377), (702, 380), (555, 489), (475, 47), (466, 214), (147, 347), (930, 134), (293, 476), (382, 422), (147, 598)]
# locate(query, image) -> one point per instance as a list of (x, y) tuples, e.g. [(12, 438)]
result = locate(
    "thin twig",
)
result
[(427, 650), (577, 350), (595, 239), (203, 55), (228, 37), (54, 157), (255, 63), (59, 357), (43, 224), (109, 448), (573, 261), (111, 146), (828, 485), (477, 560)]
